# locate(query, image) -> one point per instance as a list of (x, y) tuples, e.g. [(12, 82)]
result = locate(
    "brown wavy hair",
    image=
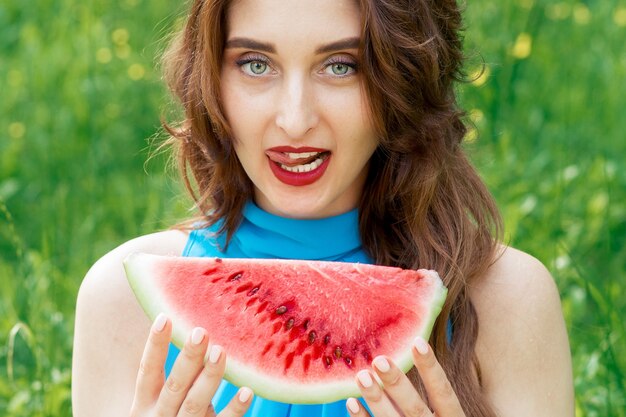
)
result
[(423, 206)]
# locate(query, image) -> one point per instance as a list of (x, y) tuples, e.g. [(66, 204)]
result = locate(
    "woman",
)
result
[(304, 114)]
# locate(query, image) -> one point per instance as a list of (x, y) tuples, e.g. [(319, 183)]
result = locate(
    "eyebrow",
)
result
[(250, 44), (348, 43)]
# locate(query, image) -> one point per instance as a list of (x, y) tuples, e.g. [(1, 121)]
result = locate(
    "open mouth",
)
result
[(300, 161), (298, 166)]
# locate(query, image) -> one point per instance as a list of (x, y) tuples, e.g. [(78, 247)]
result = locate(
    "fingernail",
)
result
[(215, 353), (159, 323), (244, 394), (197, 336), (429, 271), (421, 345), (381, 364), (365, 378), (353, 405)]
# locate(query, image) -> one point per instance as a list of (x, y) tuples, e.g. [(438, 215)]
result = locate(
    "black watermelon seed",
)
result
[(348, 361), (281, 310), (327, 339), (305, 325), (289, 323), (253, 291), (312, 337)]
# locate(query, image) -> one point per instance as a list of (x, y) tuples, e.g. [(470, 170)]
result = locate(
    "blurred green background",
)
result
[(80, 105)]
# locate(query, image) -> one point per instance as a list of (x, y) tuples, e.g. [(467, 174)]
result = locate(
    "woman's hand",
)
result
[(192, 382), (398, 397)]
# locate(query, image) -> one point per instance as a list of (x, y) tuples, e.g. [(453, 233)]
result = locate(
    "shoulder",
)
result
[(522, 345), (105, 292), (107, 274), (515, 281), (111, 328)]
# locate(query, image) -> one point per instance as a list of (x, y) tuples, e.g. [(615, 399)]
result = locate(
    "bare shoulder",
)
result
[(111, 329), (105, 292), (522, 346), (106, 281), (516, 281)]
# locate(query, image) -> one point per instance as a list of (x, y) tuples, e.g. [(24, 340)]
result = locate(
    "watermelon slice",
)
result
[(294, 331)]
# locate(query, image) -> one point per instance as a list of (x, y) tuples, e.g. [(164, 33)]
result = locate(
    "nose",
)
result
[(297, 107)]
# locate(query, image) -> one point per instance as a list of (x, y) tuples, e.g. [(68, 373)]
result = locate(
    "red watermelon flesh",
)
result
[(294, 331)]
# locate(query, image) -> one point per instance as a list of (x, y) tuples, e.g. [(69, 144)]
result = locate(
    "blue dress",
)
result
[(264, 235)]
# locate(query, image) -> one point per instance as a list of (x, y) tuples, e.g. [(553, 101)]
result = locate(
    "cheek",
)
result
[(349, 108), (245, 115), (353, 126)]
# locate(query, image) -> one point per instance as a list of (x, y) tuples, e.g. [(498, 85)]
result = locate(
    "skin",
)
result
[(522, 346), (522, 349), (304, 97), (119, 355)]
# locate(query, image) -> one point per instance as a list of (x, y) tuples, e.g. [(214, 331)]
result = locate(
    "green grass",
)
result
[(81, 101)]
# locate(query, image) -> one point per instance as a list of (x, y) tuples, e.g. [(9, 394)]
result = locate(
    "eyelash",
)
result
[(262, 59), (343, 61), (249, 60)]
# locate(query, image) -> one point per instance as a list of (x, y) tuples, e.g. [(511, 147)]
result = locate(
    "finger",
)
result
[(355, 408), (399, 388), (151, 368), (185, 370), (441, 395), (239, 404), (380, 405), (210, 412), (197, 403)]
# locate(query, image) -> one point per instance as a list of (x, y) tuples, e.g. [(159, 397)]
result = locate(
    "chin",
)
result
[(300, 207)]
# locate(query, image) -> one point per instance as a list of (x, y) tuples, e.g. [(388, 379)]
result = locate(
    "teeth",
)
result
[(304, 168), (301, 155)]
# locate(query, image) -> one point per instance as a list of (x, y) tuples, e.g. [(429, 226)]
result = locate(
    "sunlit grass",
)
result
[(81, 99)]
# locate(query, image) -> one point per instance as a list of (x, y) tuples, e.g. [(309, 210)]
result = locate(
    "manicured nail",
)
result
[(421, 345), (381, 364), (244, 394), (365, 378), (215, 353), (429, 271), (159, 323), (353, 405), (197, 336)]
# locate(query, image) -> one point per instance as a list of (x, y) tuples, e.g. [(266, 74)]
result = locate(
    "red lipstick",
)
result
[(292, 149), (285, 168)]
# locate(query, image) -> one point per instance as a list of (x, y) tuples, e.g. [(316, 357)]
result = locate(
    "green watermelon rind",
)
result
[(263, 385)]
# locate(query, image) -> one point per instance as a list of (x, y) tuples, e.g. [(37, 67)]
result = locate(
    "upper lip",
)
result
[(291, 156), (296, 150)]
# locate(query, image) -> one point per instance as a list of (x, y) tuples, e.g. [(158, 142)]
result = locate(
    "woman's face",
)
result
[(292, 95)]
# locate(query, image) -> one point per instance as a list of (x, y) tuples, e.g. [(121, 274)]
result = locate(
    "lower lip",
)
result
[(299, 179)]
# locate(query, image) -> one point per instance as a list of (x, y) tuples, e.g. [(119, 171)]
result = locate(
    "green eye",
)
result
[(258, 67), (340, 69)]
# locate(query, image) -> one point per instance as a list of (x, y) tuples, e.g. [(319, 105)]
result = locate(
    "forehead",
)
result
[(297, 22)]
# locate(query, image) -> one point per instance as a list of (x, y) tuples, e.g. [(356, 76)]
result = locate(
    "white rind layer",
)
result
[(139, 270)]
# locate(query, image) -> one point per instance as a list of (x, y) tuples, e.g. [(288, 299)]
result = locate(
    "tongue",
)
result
[(282, 158)]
